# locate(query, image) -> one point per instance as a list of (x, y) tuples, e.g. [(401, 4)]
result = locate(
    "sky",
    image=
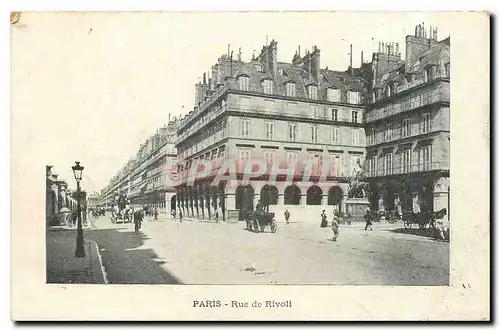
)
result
[(91, 87)]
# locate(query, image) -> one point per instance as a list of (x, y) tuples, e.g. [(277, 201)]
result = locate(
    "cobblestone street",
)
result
[(196, 252)]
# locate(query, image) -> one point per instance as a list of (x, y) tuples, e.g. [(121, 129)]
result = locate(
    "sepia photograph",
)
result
[(241, 149)]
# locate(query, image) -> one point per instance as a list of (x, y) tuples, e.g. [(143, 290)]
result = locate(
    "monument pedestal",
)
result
[(356, 209)]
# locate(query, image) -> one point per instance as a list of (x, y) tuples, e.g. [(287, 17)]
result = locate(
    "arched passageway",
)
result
[(292, 195), (244, 199), (314, 195), (269, 195)]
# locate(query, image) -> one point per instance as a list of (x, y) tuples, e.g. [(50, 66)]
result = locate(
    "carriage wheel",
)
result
[(273, 226)]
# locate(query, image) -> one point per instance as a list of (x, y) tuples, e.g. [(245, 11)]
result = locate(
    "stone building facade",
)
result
[(57, 196), (149, 178), (296, 120), (407, 125)]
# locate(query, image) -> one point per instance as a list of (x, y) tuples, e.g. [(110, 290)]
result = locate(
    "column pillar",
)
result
[(441, 194), (214, 200), (191, 200), (324, 200), (196, 201), (281, 199), (208, 202), (202, 200), (179, 200), (168, 200), (185, 200), (222, 208), (230, 207), (303, 199), (230, 201)]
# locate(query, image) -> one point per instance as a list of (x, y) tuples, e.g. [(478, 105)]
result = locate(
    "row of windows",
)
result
[(429, 74), (332, 94), (335, 161), (293, 132), (389, 131), (314, 110), (210, 155), (387, 167)]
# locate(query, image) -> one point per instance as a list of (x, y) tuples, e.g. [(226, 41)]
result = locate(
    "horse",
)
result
[(440, 223)]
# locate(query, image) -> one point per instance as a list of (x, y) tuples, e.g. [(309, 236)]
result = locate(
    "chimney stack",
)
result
[(415, 45)]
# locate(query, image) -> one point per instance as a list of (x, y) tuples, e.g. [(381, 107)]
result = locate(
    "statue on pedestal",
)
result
[(356, 188)]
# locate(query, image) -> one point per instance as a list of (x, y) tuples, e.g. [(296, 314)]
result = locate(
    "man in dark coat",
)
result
[(138, 218), (368, 220)]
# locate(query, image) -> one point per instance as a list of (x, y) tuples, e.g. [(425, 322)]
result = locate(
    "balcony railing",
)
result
[(204, 105), (412, 168), (419, 99), (198, 125), (398, 135), (259, 109), (299, 169)]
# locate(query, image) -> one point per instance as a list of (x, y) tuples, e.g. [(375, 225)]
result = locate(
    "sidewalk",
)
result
[(62, 265)]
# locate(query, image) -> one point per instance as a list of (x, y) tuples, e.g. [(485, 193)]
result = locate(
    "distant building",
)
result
[(407, 125), (149, 178), (93, 200), (283, 114)]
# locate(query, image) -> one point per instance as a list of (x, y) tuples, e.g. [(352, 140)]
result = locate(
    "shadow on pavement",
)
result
[(125, 262), (429, 233)]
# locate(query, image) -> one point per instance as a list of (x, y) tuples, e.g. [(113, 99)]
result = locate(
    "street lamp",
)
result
[(80, 250)]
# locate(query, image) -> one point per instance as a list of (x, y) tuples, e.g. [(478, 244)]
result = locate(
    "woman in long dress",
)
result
[(324, 221)]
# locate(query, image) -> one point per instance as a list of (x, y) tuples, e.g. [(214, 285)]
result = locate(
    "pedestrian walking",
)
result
[(156, 214), (180, 215), (368, 220), (335, 225), (324, 221), (287, 216), (173, 214), (138, 219)]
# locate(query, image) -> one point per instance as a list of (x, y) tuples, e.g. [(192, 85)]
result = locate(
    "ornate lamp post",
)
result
[(80, 250)]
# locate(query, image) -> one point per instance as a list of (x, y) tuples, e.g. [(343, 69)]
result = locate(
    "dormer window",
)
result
[(290, 89), (244, 83), (388, 91), (353, 97), (267, 86), (429, 74), (312, 91), (333, 95), (259, 67)]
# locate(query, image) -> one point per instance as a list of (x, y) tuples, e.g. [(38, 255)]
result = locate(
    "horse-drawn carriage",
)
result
[(423, 219), (257, 222), (390, 216), (121, 213)]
